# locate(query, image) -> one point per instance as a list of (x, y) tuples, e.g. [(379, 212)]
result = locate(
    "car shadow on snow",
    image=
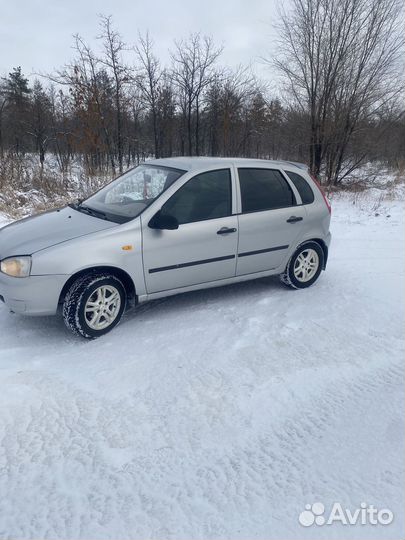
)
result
[(211, 298)]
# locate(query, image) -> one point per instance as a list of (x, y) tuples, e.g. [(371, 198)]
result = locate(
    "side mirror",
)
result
[(163, 221)]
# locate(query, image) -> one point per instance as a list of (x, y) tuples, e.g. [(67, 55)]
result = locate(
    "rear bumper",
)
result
[(34, 295)]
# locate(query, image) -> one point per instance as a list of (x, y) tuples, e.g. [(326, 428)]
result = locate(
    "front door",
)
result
[(204, 246), (270, 221)]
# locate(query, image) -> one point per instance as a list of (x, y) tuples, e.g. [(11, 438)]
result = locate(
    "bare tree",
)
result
[(227, 104), (149, 82), (61, 126), (88, 91), (193, 63), (3, 101), (121, 75), (339, 58)]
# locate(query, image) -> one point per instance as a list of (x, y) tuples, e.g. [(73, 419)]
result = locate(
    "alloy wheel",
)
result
[(306, 265), (102, 307)]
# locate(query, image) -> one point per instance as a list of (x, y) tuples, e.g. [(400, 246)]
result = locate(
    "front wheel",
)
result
[(304, 267), (94, 305)]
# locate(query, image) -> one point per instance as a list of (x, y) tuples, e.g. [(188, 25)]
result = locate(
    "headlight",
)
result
[(16, 266)]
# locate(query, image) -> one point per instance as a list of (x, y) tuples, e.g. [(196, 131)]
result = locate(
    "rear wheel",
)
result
[(304, 267), (94, 305)]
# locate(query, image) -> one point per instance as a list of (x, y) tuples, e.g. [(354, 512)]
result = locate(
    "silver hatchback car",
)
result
[(165, 227)]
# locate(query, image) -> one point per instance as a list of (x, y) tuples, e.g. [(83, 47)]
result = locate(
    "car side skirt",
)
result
[(208, 285)]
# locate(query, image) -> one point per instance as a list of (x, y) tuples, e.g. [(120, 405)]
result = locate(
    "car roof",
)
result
[(192, 163)]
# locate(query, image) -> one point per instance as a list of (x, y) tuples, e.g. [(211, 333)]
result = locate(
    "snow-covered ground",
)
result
[(217, 414)]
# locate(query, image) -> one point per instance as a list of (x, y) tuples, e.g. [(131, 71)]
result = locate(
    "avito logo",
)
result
[(314, 514)]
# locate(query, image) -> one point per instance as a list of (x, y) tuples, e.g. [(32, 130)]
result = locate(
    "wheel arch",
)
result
[(322, 245), (324, 249), (123, 276)]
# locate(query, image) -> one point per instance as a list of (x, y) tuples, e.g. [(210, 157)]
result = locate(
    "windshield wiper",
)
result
[(89, 211)]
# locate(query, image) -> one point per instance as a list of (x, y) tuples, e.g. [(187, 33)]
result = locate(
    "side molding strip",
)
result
[(192, 263), (259, 251), (215, 259)]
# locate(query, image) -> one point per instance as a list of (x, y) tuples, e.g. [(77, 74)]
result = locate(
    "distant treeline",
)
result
[(340, 106)]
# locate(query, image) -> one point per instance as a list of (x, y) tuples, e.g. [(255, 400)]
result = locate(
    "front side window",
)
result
[(206, 196), (125, 198), (264, 189)]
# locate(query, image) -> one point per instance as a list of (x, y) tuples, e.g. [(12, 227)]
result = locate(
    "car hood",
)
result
[(38, 232)]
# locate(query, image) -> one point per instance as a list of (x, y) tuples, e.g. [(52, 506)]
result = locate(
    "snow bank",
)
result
[(3, 219)]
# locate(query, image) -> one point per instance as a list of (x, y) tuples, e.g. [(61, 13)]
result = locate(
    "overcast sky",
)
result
[(37, 34)]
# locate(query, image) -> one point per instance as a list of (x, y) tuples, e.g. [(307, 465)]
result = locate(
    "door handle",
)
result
[(294, 219), (226, 230)]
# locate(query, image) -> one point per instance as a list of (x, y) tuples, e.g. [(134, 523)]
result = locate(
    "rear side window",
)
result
[(206, 196), (264, 189), (303, 188)]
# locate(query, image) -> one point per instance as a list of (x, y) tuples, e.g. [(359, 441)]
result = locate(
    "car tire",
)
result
[(94, 305), (304, 267)]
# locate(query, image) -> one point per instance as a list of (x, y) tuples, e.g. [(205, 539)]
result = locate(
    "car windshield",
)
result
[(125, 198)]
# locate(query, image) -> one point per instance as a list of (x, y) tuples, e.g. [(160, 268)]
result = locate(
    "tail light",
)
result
[(325, 198)]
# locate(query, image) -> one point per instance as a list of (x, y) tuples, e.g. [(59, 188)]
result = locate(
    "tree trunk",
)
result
[(189, 134), (197, 128)]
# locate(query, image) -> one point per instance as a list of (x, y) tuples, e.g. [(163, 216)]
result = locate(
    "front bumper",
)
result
[(33, 295)]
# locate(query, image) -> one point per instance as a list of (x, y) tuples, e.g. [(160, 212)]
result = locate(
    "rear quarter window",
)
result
[(302, 186)]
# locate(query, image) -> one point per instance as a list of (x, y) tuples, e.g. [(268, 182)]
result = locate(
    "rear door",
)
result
[(271, 219), (204, 246)]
